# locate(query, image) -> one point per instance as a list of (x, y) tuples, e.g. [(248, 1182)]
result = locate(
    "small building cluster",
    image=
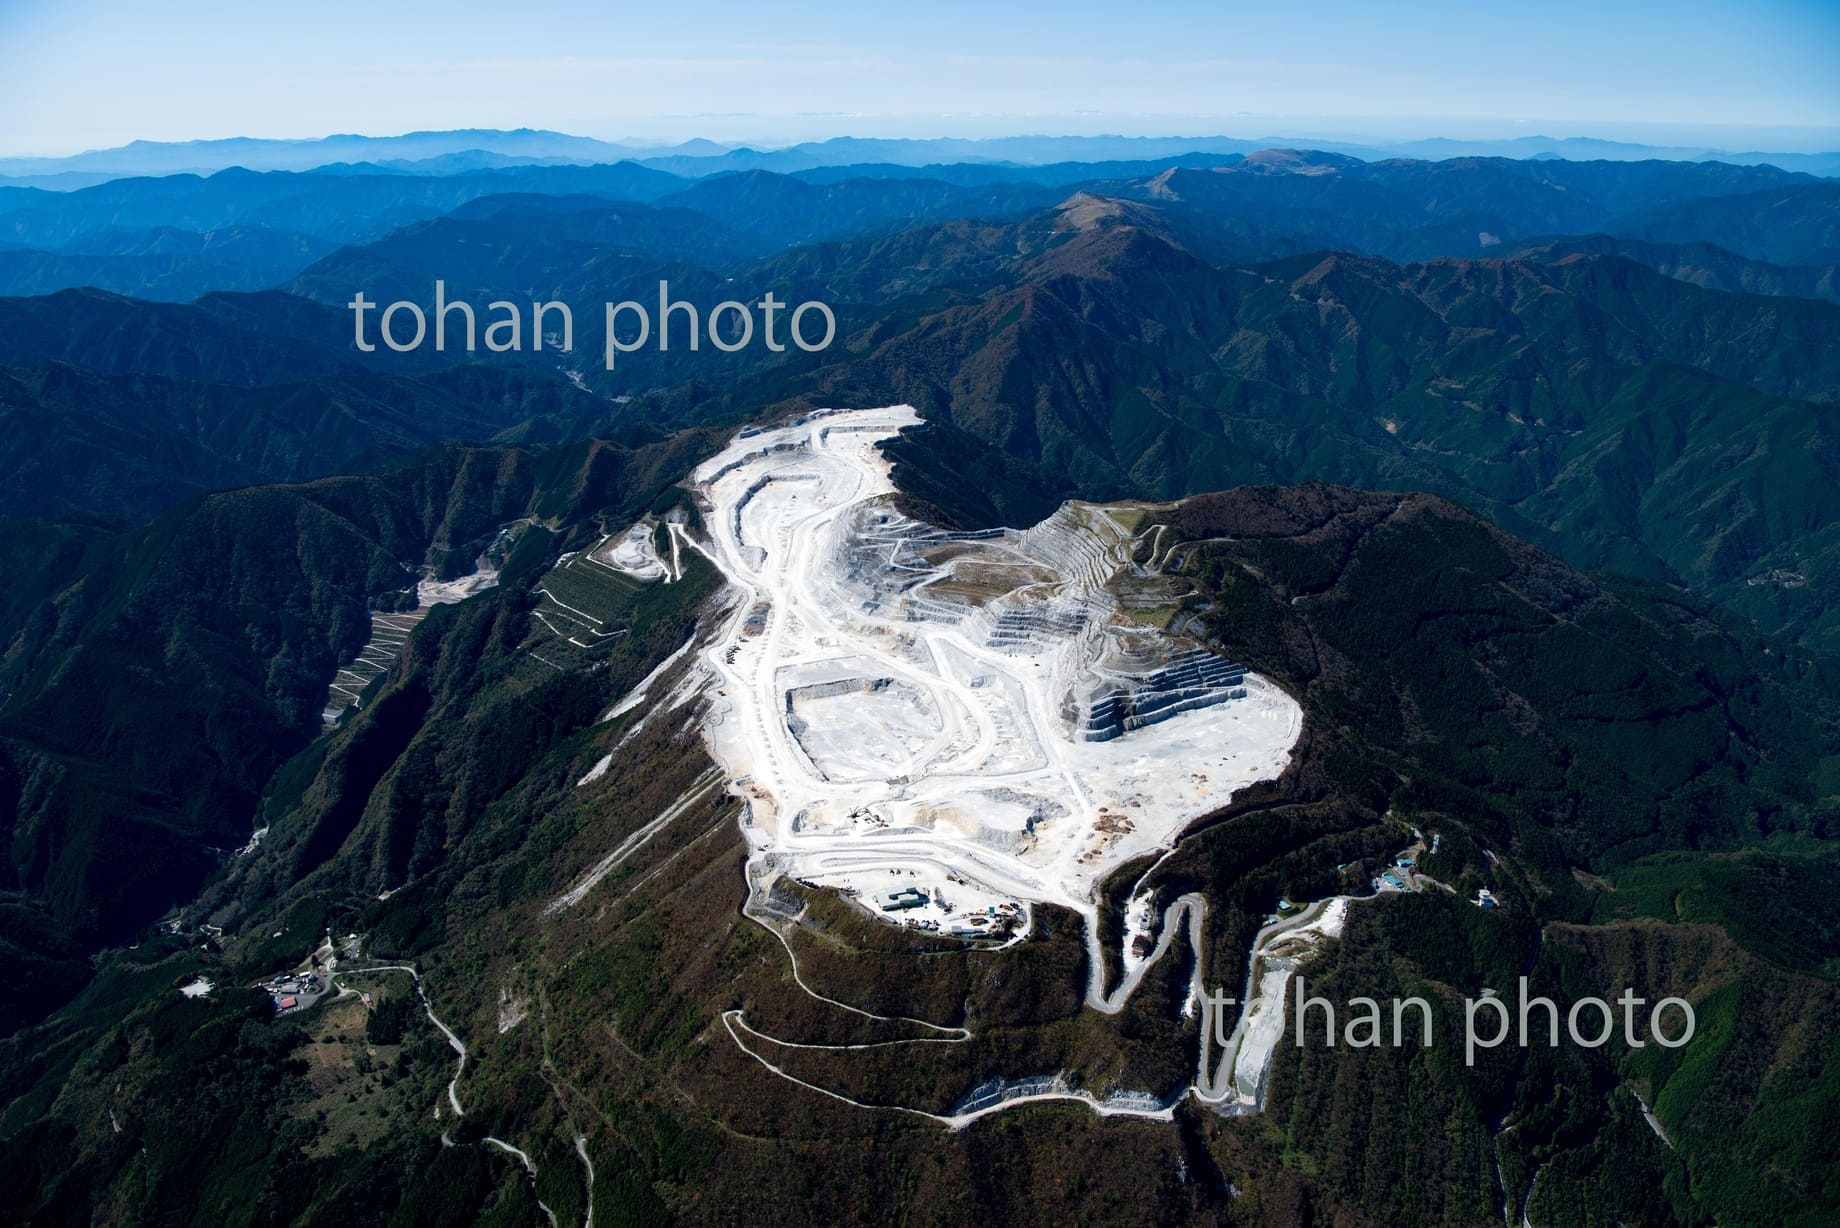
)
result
[(996, 921), (296, 990), (903, 898)]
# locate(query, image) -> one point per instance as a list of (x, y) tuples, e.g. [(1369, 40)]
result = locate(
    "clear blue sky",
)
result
[(84, 74)]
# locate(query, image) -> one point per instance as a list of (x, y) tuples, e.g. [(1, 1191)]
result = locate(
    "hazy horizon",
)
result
[(1729, 138), (97, 74)]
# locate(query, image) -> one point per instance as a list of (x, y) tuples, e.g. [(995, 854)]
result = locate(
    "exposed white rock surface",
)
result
[(907, 710)]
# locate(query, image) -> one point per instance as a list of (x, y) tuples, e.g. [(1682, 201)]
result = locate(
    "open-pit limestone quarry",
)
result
[(952, 727)]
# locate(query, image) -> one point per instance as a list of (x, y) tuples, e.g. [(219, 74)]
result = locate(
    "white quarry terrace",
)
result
[(950, 727)]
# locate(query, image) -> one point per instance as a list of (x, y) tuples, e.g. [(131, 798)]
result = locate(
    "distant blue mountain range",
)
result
[(446, 153)]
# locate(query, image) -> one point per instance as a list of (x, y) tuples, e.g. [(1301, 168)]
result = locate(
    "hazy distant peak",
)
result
[(1297, 161)]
